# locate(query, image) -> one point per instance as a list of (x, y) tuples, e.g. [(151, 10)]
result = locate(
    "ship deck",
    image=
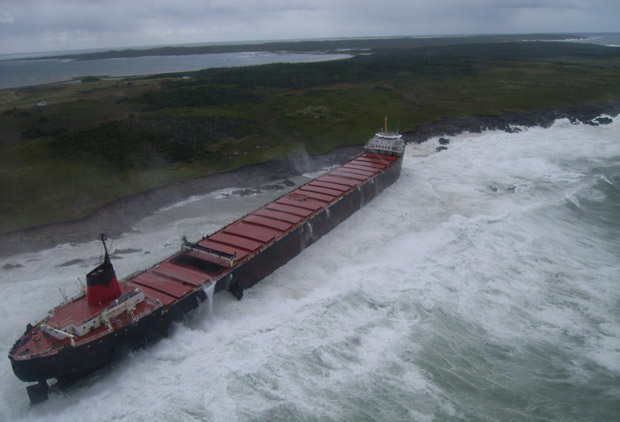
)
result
[(174, 278), (258, 230), (181, 274)]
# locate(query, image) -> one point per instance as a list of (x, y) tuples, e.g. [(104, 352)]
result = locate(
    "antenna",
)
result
[(82, 286), (64, 296), (105, 247)]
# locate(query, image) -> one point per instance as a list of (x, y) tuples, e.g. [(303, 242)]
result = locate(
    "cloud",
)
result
[(6, 17), (31, 25)]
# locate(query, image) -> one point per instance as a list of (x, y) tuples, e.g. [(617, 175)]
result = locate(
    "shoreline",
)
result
[(120, 216), (511, 121)]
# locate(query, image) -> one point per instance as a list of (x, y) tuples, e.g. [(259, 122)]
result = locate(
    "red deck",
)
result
[(169, 281), (174, 278), (182, 273), (163, 284)]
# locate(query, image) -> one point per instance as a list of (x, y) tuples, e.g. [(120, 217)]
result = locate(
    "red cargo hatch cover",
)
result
[(163, 284), (332, 186), (373, 160), (363, 167), (268, 222), (235, 241), (307, 203), (359, 170), (278, 215), (261, 234), (302, 212), (389, 158), (318, 189), (348, 174), (337, 180), (369, 164), (182, 273), (317, 196), (218, 246), (154, 294)]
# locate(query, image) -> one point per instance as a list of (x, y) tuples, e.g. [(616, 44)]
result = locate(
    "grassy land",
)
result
[(98, 141)]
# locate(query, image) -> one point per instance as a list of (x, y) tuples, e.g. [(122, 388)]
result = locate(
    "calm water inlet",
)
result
[(16, 73)]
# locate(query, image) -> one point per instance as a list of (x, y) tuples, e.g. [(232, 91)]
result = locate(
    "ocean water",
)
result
[(482, 285), (21, 72), (18, 70), (607, 39)]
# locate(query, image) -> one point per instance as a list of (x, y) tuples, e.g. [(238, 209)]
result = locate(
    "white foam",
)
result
[(471, 275)]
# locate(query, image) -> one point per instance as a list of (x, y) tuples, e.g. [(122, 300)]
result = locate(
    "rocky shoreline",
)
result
[(510, 122), (120, 216)]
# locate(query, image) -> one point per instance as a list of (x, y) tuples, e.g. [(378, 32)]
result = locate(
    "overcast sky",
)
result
[(50, 25)]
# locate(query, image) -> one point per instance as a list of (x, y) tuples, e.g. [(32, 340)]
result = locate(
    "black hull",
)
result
[(79, 361), (278, 254)]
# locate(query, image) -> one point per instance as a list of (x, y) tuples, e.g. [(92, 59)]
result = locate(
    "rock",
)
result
[(245, 192), (603, 120), (69, 263), (271, 188), (317, 112), (126, 251), (577, 114)]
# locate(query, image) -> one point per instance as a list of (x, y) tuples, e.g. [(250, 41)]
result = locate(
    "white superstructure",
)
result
[(386, 141)]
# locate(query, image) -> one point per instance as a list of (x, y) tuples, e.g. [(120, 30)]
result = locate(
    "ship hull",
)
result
[(291, 245), (72, 362)]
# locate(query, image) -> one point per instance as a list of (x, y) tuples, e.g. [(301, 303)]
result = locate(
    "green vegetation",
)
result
[(147, 143), (90, 79), (95, 142)]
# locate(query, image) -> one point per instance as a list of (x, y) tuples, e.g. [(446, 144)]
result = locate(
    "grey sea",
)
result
[(17, 72), (481, 286)]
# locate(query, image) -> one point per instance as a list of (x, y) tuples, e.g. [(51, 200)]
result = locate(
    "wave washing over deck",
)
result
[(109, 319), (482, 286)]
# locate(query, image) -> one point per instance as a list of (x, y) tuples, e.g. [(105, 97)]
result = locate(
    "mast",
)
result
[(105, 248)]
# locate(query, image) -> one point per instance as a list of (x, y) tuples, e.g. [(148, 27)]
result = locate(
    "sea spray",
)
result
[(442, 299), (209, 289)]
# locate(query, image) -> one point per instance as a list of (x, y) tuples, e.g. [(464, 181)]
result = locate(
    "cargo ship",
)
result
[(111, 318)]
